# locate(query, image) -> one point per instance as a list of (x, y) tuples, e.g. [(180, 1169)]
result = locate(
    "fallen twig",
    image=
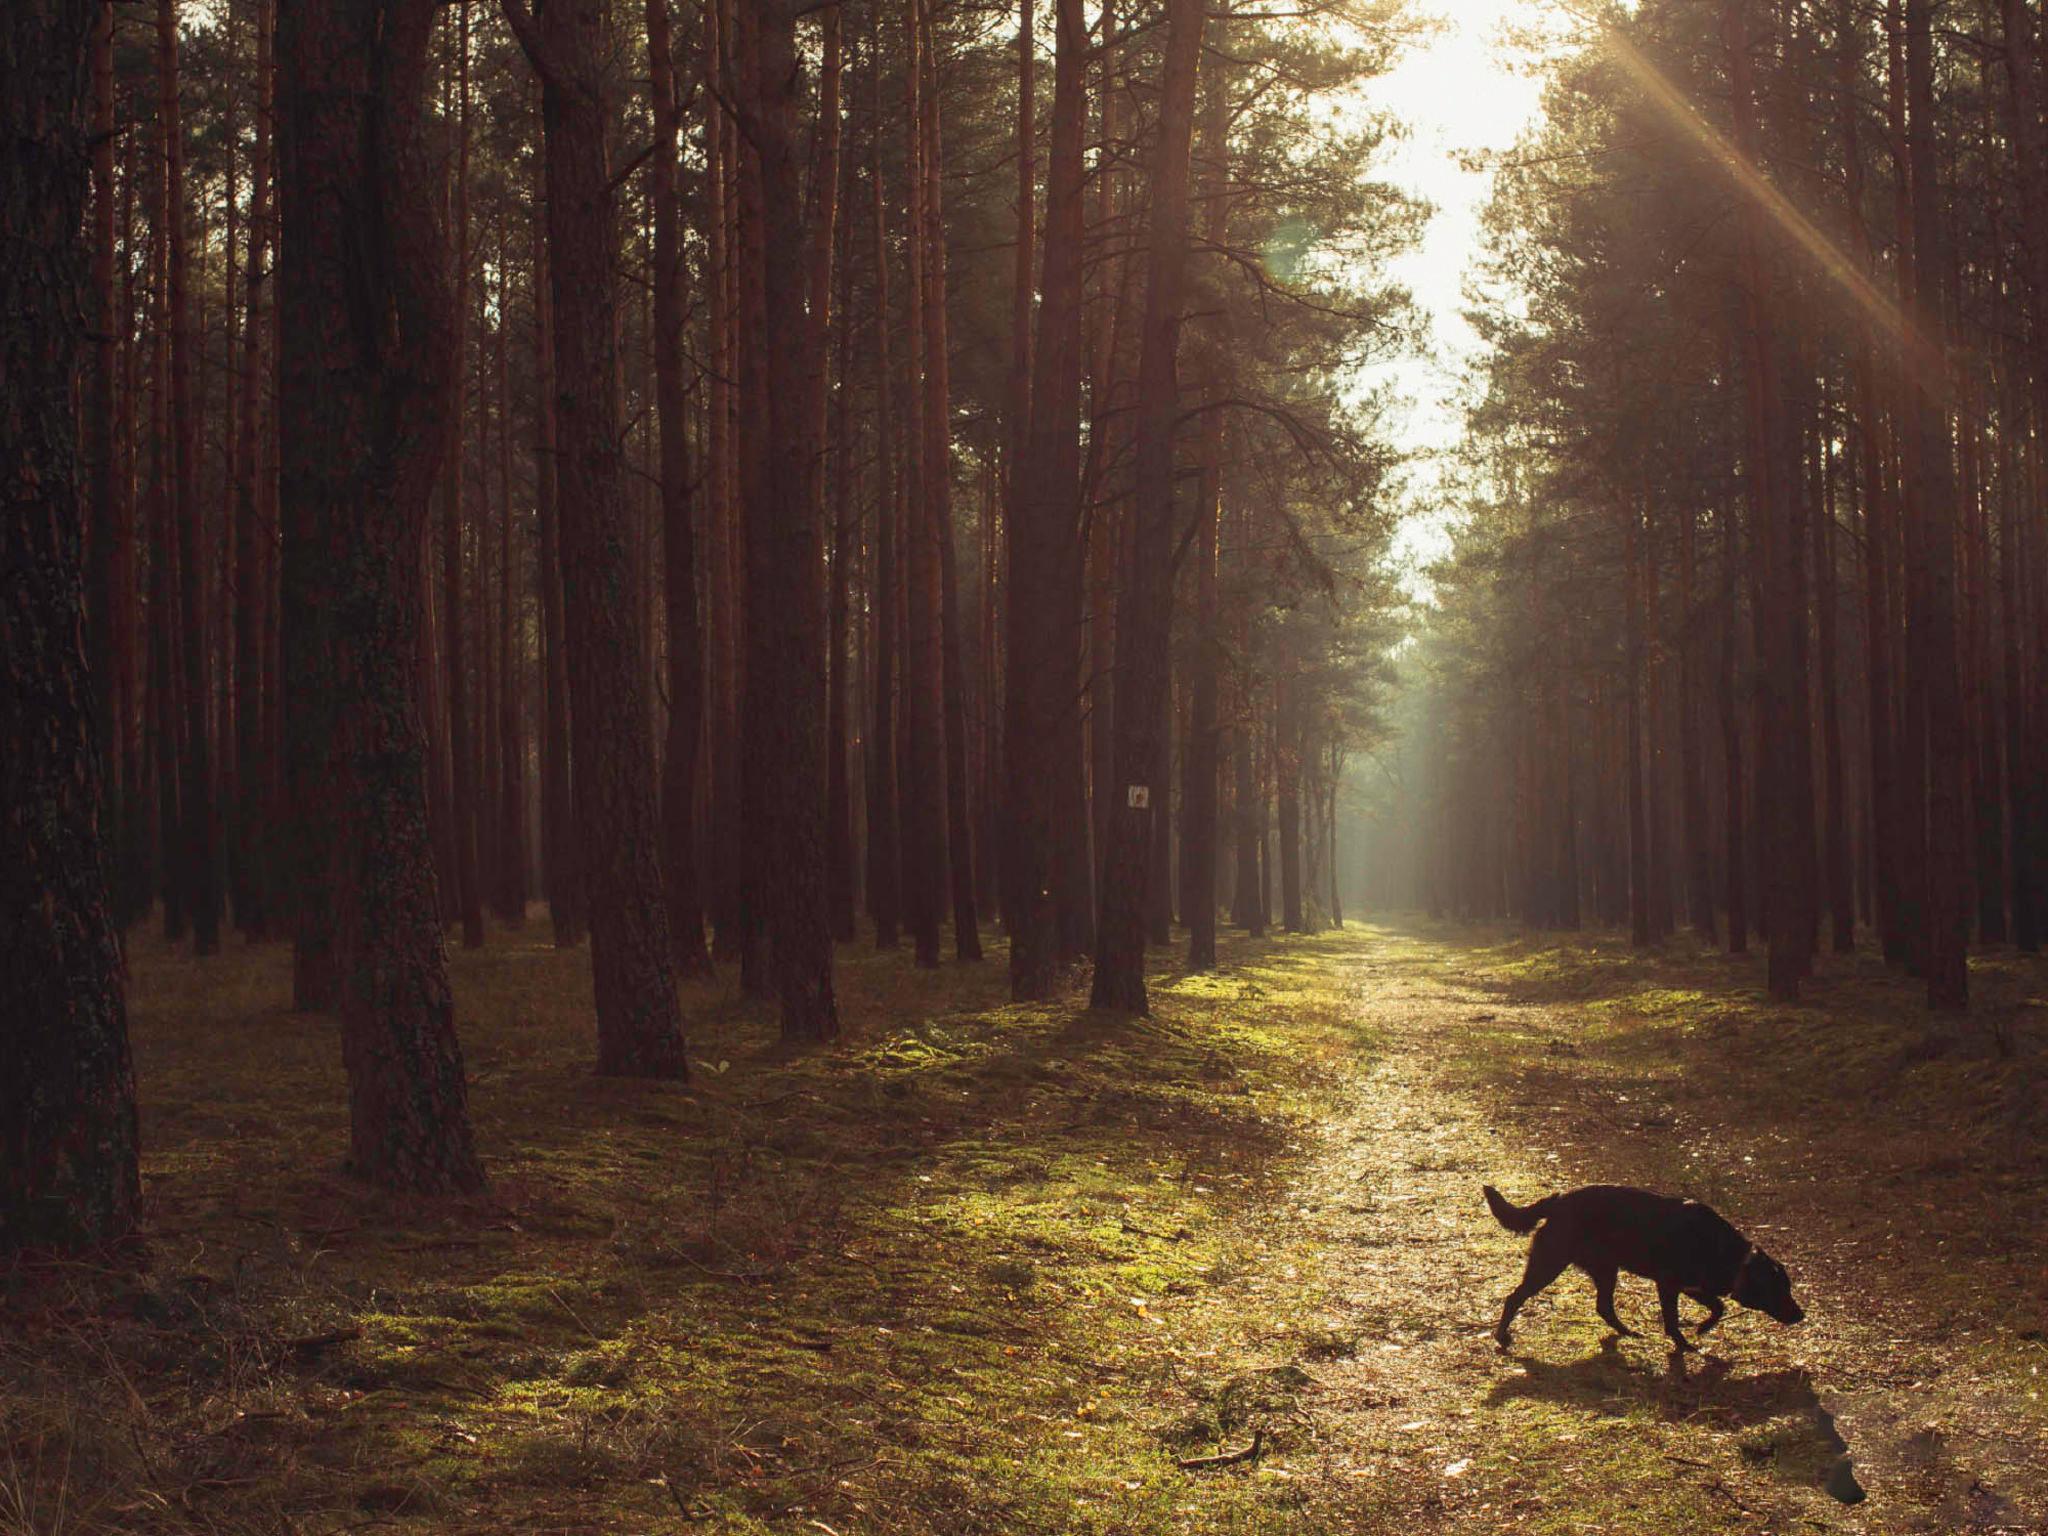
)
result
[(1225, 1458)]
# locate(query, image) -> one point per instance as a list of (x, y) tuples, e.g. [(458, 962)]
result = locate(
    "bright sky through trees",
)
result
[(1463, 93)]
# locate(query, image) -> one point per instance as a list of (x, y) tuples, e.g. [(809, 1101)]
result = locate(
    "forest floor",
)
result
[(985, 1268)]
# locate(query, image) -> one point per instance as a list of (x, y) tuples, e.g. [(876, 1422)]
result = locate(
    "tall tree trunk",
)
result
[(785, 733), (1041, 741), (922, 761), (1641, 911), (2027, 749), (1199, 800), (512, 843), (1286, 754), (1143, 644), (1835, 837), (1776, 620), (632, 952), (1016, 443), (68, 1134), (197, 838), (830, 284), (366, 345), (251, 537), (1699, 854), (1931, 481), (938, 468), (1910, 801), (679, 552), (109, 608), (1873, 482), (885, 849), (1247, 908), (462, 735), (561, 849), (1655, 736), (721, 453)]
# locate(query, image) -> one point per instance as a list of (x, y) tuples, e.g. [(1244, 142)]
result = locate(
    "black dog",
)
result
[(1682, 1245)]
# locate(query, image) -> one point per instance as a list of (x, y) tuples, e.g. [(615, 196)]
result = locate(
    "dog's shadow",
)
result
[(1776, 1417)]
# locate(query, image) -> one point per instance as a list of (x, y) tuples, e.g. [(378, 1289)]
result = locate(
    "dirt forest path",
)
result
[(1468, 1083)]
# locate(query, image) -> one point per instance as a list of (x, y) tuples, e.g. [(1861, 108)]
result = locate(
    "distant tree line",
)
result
[(1746, 626)]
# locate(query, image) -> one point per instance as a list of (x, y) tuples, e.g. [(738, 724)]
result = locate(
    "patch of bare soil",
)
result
[(1895, 1408)]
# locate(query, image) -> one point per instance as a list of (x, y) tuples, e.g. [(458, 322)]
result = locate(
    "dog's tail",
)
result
[(1521, 1219)]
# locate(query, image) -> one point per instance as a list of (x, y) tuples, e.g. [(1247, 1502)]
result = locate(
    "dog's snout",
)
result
[(1795, 1313)]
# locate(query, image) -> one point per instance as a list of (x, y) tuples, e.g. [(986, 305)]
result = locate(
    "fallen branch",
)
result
[(1225, 1458)]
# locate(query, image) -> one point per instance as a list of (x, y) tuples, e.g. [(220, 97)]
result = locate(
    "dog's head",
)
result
[(1764, 1287)]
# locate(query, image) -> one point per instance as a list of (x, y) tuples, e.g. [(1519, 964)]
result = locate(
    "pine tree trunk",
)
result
[(108, 603), (1016, 444), (921, 754), (1145, 630), (1642, 924), (830, 246), (679, 552), (938, 466), (512, 842), (462, 735), (68, 1133), (1933, 495), (1286, 756), (785, 723), (1041, 740), (197, 854), (885, 848), (1699, 857), (1872, 480), (357, 222), (1776, 619), (561, 849), (618, 818), (2026, 763), (1199, 798), (251, 557), (1841, 893)]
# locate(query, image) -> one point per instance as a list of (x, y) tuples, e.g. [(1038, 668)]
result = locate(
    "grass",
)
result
[(949, 1275), (987, 1268)]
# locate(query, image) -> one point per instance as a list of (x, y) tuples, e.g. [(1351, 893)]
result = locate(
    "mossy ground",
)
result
[(986, 1268)]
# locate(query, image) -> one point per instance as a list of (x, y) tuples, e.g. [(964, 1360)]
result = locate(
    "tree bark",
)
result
[(922, 760), (1199, 789), (561, 853), (938, 467), (785, 717), (68, 1135), (1143, 643), (885, 849), (1041, 741), (462, 734), (1778, 762), (679, 551), (198, 852), (1931, 485), (632, 950), (363, 411)]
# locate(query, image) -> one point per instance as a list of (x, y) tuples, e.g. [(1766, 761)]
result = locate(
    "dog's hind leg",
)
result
[(1547, 1261), (1667, 1300), (1603, 1286)]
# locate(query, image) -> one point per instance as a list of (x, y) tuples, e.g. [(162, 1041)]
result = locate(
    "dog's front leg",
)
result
[(1715, 1308), (1667, 1301)]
